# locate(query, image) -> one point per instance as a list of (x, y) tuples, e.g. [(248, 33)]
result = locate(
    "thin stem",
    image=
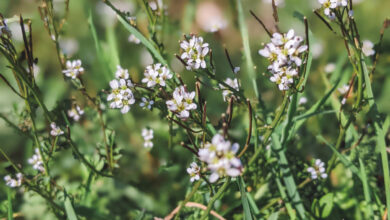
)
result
[(274, 123), (214, 198)]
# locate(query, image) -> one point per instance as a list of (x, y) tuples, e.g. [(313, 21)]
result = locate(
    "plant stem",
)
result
[(214, 198), (274, 123)]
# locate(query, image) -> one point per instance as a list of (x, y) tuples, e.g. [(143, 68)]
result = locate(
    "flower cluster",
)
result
[(318, 171), (75, 113), (121, 97), (194, 53), (73, 69), (55, 130), (182, 102), (220, 156), (147, 134), (36, 161), (156, 74), (284, 53), (146, 103), (227, 93), (330, 5), (9, 181), (193, 171)]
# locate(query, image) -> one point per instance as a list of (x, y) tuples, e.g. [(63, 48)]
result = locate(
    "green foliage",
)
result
[(101, 160)]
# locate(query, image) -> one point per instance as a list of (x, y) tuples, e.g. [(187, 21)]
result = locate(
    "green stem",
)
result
[(194, 189), (274, 123), (213, 199)]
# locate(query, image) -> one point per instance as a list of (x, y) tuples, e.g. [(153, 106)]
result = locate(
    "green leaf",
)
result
[(323, 207), (99, 50), (10, 211), (70, 213), (366, 188), (244, 199), (143, 40), (342, 158)]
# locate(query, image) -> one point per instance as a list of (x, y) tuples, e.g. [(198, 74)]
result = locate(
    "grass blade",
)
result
[(99, 50), (366, 188), (10, 211), (155, 53), (288, 178), (244, 199), (70, 213), (247, 51), (342, 158)]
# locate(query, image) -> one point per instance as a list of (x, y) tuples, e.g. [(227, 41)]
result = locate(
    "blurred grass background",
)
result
[(156, 180)]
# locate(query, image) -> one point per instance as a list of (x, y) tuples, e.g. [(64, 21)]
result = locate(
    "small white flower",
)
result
[(368, 48), (147, 134), (278, 3), (193, 171), (133, 39), (146, 103), (344, 89), (121, 73), (156, 74), (194, 53), (236, 69), (75, 113), (182, 102), (302, 101), (36, 161), (55, 130), (227, 93), (121, 96), (73, 69), (220, 156), (318, 171), (330, 67), (9, 181)]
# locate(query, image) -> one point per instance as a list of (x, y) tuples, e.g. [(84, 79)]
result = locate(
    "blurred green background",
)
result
[(156, 180)]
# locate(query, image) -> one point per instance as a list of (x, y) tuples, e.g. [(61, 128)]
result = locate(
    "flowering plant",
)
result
[(131, 119)]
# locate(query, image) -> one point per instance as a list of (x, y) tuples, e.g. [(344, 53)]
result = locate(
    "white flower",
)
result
[(36, 161), (133, 39), (121, 96), (194, 53), (9, 181), (156, 74), (227, 93), (75, 113), (330, 5), (121, 73), (278, 3), (193, 171), (215, 25), (318, 171), (284, 54), (182, 102), (220, 156), (330, 67), (55, 130), (236, 69), (209, 16), (146, 103), (344, 89), (147, 134), (73, 69), (302, 101), (368, 48)]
